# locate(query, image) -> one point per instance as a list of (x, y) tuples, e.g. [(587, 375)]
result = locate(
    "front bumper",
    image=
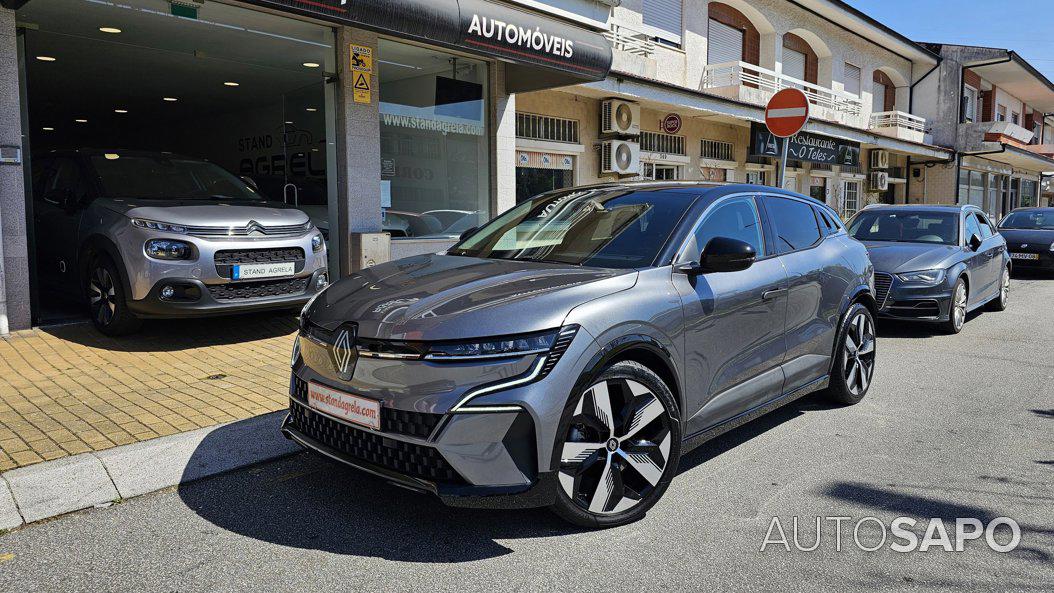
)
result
[(447, 485), (916, 303), (207, 299)]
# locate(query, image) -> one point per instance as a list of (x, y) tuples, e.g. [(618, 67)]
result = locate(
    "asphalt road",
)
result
[(954, 426)]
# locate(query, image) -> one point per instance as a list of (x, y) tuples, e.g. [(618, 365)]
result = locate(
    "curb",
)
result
[(54, 488)]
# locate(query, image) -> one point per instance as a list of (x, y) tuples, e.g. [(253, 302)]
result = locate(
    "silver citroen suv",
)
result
[(152, 235), (567, 353)]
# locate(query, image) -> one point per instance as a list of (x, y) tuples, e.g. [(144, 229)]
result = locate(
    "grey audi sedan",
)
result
[(570, 351), (934, 263)]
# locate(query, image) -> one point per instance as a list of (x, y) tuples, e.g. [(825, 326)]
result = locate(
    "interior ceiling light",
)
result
[(311, 64), (47, 129), (114, 30), (229, 83), (169, 99), (312, 109), (81, 121), (110, 156), (120, 111), (46, 58)]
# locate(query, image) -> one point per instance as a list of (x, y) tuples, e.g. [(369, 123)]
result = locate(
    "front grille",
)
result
[(228, 257), (291, 230), (406, 458), (882, 283), (409, 423), (254, 290)]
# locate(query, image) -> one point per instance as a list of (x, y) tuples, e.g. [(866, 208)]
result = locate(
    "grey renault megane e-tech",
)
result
[(568, 352), (934, 263)]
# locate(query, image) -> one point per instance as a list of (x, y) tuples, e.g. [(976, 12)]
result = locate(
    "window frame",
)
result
[(859, 80), (972, 102), (770, 227)]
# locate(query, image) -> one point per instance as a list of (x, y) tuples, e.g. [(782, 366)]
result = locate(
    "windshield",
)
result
[(1040, 220), (161, 177), (907, 226), (597, 228)]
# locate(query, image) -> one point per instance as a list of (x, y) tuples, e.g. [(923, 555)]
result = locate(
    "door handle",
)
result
[(768, 295)]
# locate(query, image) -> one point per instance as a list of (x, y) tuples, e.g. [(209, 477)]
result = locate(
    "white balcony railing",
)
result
[(897, 119), (630, 41), (739, 74)]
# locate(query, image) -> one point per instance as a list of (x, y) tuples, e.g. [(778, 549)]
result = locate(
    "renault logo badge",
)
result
[(343, 353)]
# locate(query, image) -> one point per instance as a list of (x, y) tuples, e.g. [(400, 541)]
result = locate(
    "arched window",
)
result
[(799, 59), (731, 37), (883, 92)]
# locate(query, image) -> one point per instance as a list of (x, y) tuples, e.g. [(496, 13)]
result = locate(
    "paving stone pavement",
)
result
[(69, 389)]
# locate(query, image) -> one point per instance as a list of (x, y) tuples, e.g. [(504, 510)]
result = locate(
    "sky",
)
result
[(1025, 26)]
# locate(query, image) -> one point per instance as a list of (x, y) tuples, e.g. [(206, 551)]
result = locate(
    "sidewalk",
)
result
[(70, 390)]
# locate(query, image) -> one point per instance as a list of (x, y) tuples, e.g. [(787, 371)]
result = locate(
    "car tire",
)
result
[(851, 377), (107, 302), (605, 481), (957, 310), (1000, 302)]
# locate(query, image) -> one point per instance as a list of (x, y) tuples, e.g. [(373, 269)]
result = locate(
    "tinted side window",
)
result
[(793, 223), (828, 226), (972, 227), (736, 218), (986, 227)]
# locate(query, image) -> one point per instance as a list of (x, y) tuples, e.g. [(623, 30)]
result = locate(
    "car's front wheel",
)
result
[(620, 449), (107, 300), (957, 312)]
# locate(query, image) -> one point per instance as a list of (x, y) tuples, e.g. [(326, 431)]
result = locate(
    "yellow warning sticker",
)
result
[(361, 59), (361, 88)]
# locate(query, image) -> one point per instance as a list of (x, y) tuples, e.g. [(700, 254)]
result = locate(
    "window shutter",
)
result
[(664, 15), (793, 63), (878, 97), (852, 79), (724, 44)]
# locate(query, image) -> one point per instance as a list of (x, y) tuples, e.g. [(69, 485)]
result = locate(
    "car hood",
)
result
[(909, 257), (443, 297), (1034, 237), (206, 213)]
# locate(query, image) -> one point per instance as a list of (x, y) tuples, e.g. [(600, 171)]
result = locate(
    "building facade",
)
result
[(994, 109), (694, 77)]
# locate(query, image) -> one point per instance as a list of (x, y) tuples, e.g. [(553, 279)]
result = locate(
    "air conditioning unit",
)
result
[(879, 159), (620, 156), (619, 117), (878, 181)]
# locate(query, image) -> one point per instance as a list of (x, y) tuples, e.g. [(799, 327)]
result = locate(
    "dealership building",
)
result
[(398, 125), (371, 116)]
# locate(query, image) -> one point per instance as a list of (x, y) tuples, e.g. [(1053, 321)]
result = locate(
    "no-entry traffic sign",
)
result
[(787, 112)]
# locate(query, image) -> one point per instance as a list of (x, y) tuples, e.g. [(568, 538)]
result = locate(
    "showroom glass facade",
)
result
[(435, 147)]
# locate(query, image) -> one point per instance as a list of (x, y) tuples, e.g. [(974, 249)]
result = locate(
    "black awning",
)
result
[(567, 53)]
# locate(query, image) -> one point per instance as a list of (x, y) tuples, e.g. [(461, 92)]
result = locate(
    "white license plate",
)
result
[(252, 271), (1024, 256), (345, 406)]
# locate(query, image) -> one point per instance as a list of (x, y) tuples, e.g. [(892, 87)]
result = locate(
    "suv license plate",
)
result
[(345, 406), (1024, 256), (252, 271)]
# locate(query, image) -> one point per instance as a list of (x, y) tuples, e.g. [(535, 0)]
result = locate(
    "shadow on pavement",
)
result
[(167, 335), (306, 501)]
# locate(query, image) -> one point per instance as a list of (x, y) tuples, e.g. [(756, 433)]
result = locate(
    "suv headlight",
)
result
[(317, 243), (926, 277), (508, 346), (159, 226), (168, 249)]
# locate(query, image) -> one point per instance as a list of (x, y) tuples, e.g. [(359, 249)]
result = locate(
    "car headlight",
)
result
[(493, 348), (317, 243), (927, 277), (168, 249), (159, 226)]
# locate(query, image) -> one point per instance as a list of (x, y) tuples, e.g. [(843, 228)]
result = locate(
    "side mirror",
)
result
[(721, 254), (975, 242), (468, 233), (250, 182)]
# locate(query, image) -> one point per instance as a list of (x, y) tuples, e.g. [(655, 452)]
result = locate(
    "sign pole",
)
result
[(783, 162)]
